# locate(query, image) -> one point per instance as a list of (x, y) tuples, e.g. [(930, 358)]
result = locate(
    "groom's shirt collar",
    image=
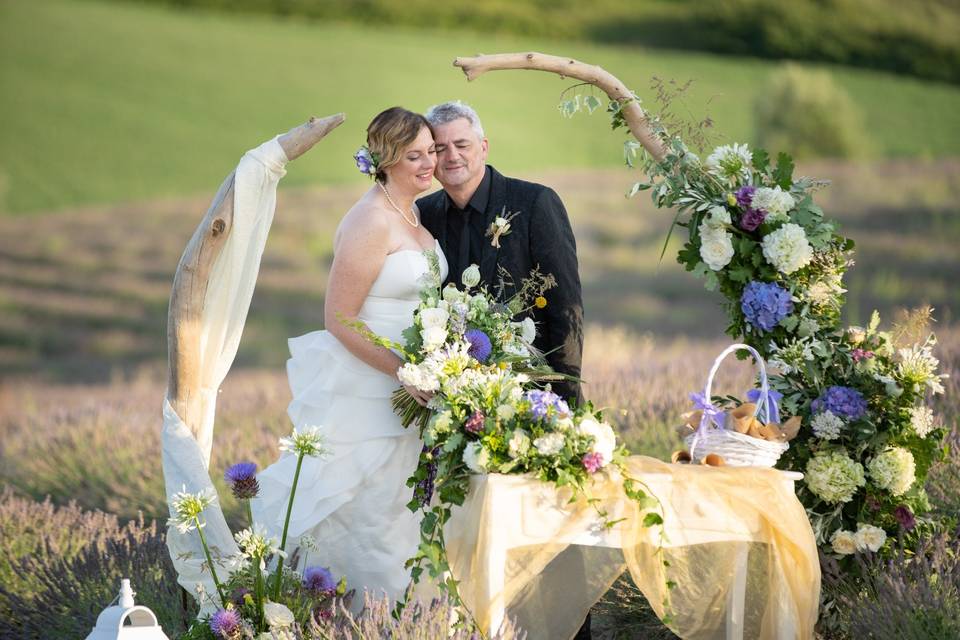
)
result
[(478, 202)]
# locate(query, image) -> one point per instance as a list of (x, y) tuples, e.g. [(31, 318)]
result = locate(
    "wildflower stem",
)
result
[(213, 571), (286, 525)]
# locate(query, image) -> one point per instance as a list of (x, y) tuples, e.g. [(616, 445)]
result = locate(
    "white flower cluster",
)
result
[(827, 291), (732, 163), (791, 356), (550, 444), (833, 476), (716, 244), (476, 457), (827, 426), (893, 470), (450, 362), (776, 202), (866, 538), (187, 508), (787, 248), (307, 441), (919, 366), (256, 546), (604, 438), (921, 419)]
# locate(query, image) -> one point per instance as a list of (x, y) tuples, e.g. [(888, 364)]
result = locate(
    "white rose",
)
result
[(471, 276), (433, 338), (869, 537), (604, 439), (277, 615), (550, 444), (435, 317), (716, 247), (519, 444), (528, 330), (843, 542), (476, 457)]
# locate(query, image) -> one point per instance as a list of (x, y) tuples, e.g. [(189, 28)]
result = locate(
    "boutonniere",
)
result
[(500, 226)]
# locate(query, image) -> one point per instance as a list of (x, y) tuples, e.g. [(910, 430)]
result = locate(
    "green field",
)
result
[(105, 103)]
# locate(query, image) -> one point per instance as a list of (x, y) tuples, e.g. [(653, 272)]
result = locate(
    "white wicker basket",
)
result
[(737, 449)]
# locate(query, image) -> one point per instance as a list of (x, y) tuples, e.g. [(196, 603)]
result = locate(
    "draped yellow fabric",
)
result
[(740, 550)]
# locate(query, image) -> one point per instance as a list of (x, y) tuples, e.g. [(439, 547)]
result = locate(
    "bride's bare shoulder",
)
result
[(366, 222)]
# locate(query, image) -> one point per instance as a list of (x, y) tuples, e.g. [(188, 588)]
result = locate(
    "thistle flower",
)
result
[(187, 508), (308, 441), (225, 623), (319, 581), (480, 346), (242, 478)]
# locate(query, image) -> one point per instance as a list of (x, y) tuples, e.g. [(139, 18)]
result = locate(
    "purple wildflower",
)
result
[(474, 423), (424, 489), (542, 401), (861, 354), (242, 478), (319, 581), (905, 517), (765, 304), (872, 503), (480, 347), (592, 462), (365, 161), (844, 402), (225, 623)]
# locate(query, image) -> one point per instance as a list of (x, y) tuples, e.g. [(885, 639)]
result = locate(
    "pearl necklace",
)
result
[(415, 223)]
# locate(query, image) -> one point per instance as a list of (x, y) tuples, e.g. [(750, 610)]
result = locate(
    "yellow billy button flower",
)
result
[(731, 200), (540, 302)]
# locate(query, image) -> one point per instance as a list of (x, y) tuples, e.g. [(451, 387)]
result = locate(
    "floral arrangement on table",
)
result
[(492, 410), (867, 436), (251, 603)]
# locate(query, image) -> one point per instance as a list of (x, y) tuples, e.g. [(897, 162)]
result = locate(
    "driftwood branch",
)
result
[(193, 275), (567, 67)]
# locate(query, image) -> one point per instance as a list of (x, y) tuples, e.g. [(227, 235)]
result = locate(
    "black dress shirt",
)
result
[(462, 251)]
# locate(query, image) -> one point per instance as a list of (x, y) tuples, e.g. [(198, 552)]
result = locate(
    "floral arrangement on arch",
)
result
[(755, 235)]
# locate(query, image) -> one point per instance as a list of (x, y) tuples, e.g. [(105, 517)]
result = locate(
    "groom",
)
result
[(474, 194)]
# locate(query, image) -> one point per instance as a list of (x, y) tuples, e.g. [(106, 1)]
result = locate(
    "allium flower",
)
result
[(844, 402), (242, 478), (549, 444), (542, 401), (834, 477), (921, 420), (256, 546), (593, 462), (792, 356), (893, 470), (787, 248), (716, 247), (308, 441), (366, 161), (474, 423), (843, 542), (919, 366), (187, 508), (519, 444), (225, 623), (480, 347), (869, 537), (826, 425), (765, 304), (476, 457), (319, 581), (775, 202), (905, 517), (731, 163)]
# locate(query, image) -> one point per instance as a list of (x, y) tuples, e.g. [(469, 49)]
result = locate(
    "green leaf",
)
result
[(761, 160), (453, 442), (783, 174), (740, 274), (652, 519), (591, 103)]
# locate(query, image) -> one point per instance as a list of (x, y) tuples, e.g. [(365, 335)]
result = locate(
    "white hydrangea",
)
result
[(549, 444), (476, 457), (716, 247), (869, 537), (833, 476), (787, 248), (921, 419), (776, 202), (731, 162), (893, 470), (843, 542), (604, 438), (519, 444), (434, 317), (827, 426)]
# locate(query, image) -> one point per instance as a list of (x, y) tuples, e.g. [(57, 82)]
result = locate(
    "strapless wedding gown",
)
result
[(353, 502)]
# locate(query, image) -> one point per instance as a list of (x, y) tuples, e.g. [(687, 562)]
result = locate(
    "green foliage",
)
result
[(809, 114)]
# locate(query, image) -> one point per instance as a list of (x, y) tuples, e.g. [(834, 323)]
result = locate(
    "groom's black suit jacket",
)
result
[(541, 236)]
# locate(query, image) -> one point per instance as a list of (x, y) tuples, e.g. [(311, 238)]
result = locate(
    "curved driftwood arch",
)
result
[(636, 118), (193, 273)]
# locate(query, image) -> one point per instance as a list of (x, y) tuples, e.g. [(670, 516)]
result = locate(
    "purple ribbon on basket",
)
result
[(710, 411), (772, 398)]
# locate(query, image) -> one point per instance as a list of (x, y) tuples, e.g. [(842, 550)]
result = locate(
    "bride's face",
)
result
[(414, 172)]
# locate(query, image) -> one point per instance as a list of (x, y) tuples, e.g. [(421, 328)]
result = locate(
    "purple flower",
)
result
[(365, 161), (751, 218), (480, 346), (424, 489), (474, 423), (319, 581), (592, 462), (844, 402), (237, 595), (861, 354), (225, 623), (242, 478), (905, 517), (765, 304), (745, 196), (542, 401)]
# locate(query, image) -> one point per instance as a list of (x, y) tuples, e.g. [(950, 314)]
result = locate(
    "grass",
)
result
[(106, 102)]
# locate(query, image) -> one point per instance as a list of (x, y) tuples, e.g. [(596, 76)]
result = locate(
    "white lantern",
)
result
[(126, 621)]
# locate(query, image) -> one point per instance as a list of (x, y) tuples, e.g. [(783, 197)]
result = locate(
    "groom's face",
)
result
[(461, 153)]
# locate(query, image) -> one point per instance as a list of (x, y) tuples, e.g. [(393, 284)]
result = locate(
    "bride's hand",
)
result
[(422, 397)]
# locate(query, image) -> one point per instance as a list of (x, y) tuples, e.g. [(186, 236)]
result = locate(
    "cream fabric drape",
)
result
[(735, 537), (232, 279)]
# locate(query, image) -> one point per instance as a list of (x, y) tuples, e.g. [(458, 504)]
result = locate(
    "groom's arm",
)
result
[(553, 248)]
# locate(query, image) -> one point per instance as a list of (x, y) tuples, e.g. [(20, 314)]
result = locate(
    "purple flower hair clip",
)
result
[(367, 161)]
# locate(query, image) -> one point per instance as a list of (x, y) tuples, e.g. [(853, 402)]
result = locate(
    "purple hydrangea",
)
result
[(542, 401), (225, 623), (474, 423), (319, 581), (480, 346), (844, 402), (242, 478), (751, 218), (765, 304), (593, 462)]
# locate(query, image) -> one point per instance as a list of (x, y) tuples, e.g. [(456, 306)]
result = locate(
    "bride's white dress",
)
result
[(353, 502)]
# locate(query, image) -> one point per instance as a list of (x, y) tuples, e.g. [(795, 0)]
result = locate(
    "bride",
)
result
[(353, 502)]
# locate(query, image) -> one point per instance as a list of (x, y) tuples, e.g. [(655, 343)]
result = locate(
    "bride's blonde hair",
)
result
[(389, 133)]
